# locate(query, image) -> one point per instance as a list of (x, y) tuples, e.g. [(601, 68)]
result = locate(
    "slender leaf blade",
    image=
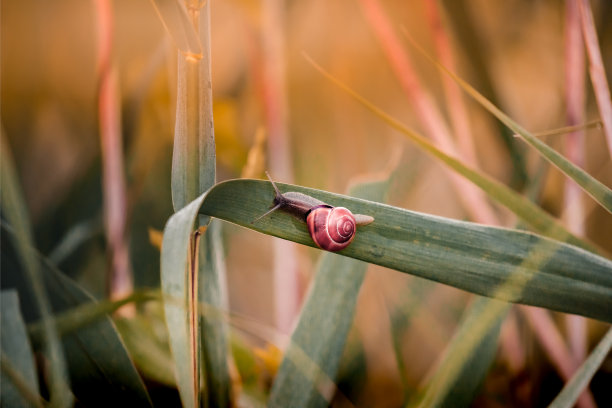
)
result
[(593, 187), (573, 389), (18, 352), (214, 330), (101, 371), (472, 257), (323, 326), (468, 357), (530, 213), (175, 18), (14, 212), (176, 291)]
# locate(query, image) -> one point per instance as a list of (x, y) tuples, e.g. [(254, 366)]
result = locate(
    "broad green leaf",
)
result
[(214, 330), (175, 261), (100, 368), (15, 213), (530, 213), (467, 358), (569, 395), (193, 159), (507, 264), (17, 352), (322, 328), (593, 187), (193, 172)]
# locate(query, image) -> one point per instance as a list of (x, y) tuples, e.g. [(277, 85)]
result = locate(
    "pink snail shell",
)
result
[(331, 228)]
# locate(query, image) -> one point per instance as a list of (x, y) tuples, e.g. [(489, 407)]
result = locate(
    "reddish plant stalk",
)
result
[(432, 120), (549, 336), (575, 97), (597, 70), (113, 181), (454, 98)]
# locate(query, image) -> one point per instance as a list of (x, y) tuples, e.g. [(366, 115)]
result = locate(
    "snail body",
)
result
[(331, 228)]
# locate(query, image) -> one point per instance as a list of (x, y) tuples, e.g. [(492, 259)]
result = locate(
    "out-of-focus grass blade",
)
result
[(17, 352), (175, 17), (150, 354), (14, 212), (533, 215), (400, 320), (100, 368), (323, 327), (593, 187), (84, 314), (569, 395), (467, 358), (468, 256), (214, 330)]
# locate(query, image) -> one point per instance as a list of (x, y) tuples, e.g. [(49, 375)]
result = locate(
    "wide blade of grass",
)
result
[(572, 390), (176, 287), (175, 284), (214, 330), (467, 359), (100, 368), (530, 213), (193, 159), (484, 260), (20, 389), (597, 190), (14, 211), (323, 327)]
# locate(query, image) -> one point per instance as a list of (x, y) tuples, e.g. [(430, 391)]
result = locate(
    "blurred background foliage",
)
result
[(49, 113)]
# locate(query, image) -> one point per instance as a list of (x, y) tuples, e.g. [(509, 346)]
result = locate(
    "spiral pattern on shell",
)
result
[(331, 228)]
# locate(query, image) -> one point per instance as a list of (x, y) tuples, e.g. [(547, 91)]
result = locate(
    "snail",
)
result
[(331, 228)]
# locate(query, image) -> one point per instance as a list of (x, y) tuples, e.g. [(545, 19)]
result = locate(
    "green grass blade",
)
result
[(100, 368), (400, 319), (323, 327), (306, 377), (14, 212), (597, 190), (530, 213), (175, 286), (175, 18), (193, 159), (147, 347), (572, 390), (214, 330), (468, 357), (17, 352), (469, 256)]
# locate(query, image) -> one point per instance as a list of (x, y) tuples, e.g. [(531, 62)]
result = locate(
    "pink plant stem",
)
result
[(113, 182), (431, 119), (575, 96), (511, 345), (274, 93), (548, 335), (597, 70), (456, 105)]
